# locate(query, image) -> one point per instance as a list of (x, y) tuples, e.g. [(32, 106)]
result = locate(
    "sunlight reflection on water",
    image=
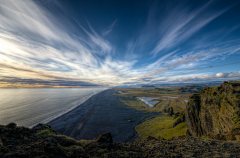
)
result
[(28, 106)]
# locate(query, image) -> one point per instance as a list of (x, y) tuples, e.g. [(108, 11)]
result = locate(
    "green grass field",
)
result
[(182, 92), (177, 104), (160, 126), (136, 104)]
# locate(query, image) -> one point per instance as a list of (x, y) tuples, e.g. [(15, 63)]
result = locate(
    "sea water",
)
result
[(29, 106)]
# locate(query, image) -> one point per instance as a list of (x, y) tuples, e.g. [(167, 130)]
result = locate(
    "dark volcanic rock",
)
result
[(105, 138), (169, 111), (11, 125), (150, 138), (42, 141), (180, 119), (215, 112)]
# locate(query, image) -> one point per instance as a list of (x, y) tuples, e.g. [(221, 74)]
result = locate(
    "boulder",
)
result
[(105, 138), (151, 138), (11, 125), (169, 111)]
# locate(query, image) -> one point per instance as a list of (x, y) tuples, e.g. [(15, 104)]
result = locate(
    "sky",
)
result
[(120, 42)]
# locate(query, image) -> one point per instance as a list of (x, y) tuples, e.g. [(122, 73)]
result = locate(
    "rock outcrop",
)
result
[(215, 112), (169, 111), (180, 119)]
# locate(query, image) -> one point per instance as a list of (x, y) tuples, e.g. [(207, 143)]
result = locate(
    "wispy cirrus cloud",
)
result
[(220, 75), (43, 47), (44, 44), (96, 43), (177, 25), (109, 28), (15, 81), (187, 60), (189, 78), (181, 24), (169, 27), (213, 66)]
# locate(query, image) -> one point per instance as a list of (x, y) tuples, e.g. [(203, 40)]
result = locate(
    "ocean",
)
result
[(29, 106)]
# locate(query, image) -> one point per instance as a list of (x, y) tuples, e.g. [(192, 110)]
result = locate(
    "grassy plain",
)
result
[(164, 95), (160, 125)]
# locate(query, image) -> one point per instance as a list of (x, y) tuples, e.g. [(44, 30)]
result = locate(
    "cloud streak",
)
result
[(182, 24), (109, 29), (221, 75), (187, 60), (213, 66), (40, 82), (42, 55)]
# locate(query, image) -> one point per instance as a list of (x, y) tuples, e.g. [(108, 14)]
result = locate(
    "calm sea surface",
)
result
[(28, 106)]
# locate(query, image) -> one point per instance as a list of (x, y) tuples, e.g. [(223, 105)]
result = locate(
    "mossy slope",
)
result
[(161, 127)]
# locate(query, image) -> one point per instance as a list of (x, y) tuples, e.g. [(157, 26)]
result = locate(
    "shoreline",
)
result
[(47, 120), (106, 114)]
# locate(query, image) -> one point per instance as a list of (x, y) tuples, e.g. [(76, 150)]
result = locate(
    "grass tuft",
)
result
[(44, 132)]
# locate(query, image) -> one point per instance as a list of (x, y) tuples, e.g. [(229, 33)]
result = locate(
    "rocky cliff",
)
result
[(42, 142), (215, 112)]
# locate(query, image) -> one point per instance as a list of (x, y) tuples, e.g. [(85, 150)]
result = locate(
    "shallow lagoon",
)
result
[(147, 100)]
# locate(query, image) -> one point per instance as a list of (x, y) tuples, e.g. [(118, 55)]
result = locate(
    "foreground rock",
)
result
[(215, 112), (42, 141)]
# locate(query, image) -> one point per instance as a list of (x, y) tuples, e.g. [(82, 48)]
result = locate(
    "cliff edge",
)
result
[(42, 142), (215, 112)]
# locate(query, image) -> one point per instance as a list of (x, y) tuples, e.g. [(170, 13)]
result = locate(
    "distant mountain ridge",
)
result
[(148, 86), (206, 84)]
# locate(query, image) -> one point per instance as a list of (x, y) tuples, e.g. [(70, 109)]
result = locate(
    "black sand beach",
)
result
[(101, 113)]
